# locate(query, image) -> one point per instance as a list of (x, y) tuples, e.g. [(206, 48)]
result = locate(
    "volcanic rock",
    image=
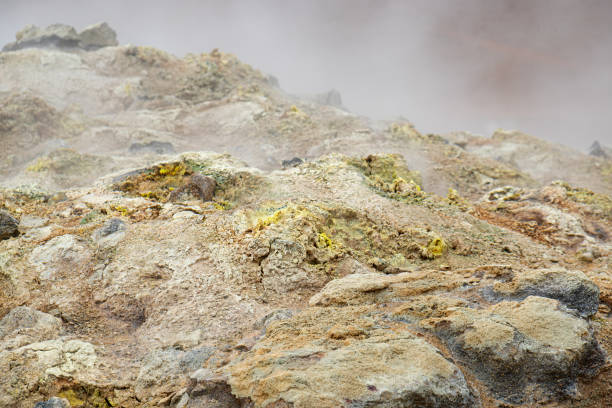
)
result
[(9, 225)]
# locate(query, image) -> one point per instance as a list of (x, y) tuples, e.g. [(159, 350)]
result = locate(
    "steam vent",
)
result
[(180, 232)]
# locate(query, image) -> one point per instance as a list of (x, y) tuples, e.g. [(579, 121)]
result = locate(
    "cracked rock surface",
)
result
[(180, 232)]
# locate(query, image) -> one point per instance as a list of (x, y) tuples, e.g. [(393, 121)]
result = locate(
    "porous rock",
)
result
[(65, 253), (311, 360), (110, 233), (24, 325), (514, 346), (572, 288)]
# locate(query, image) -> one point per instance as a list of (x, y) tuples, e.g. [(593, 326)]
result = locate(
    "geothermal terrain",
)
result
[(180, 232)]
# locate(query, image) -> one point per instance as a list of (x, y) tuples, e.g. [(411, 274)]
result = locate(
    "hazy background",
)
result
[(541, 66)]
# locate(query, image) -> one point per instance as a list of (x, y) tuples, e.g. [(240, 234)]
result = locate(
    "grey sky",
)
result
[(543, 67)]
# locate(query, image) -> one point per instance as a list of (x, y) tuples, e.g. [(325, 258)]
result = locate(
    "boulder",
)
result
[(97, 36), (9, 225), (44, 363), (572, 288), (513, 347), (64, 36), (597, 151), (333, 357), (169, 368), (23, 325), (62, 254), (55, 35), (198, 186)]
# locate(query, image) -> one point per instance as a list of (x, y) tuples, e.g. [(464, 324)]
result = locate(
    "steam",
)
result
[(538, 66)]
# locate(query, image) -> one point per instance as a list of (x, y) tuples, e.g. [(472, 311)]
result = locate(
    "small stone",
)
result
[(296, 161), (110, 233), (9, 225)]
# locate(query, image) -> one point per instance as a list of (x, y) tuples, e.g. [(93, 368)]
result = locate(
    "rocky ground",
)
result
[(180, 232)]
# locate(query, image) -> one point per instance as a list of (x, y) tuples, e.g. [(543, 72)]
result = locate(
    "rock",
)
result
[(506, 193), (168, 369), (154, 147), (110, 233), (302, 363), (597, 151), (515, 346), (44, 363), (30, 221), (273, 317), (370, 288), (55, 35), (53, 402), (572, 288), (331, 98), (97, 36), (9, 225), (65, 253), (65, 37), (23, 325), (210, 390), (352, 289), (198, 186), (296, 161)]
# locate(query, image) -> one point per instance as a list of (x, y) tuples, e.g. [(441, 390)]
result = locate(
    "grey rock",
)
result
[(60, 255), (572, 288), (63, 36), (55, 35), (154, 147), (210, 390), (111, 226), (296, 161), (169, 366), (23, 320), (512, 347), (331, 98), (31, 221), (280, 314), (110, 233), (53, 402), (9, 225), (597, 151), (97, 36)]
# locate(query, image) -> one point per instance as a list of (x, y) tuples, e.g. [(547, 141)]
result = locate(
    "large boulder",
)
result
[(513, 347), (333, 357)]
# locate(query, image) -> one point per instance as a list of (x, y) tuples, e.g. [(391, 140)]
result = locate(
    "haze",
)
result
[(542, 67)]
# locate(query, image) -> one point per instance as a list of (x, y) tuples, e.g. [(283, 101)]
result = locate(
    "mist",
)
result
[(541, 67)]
